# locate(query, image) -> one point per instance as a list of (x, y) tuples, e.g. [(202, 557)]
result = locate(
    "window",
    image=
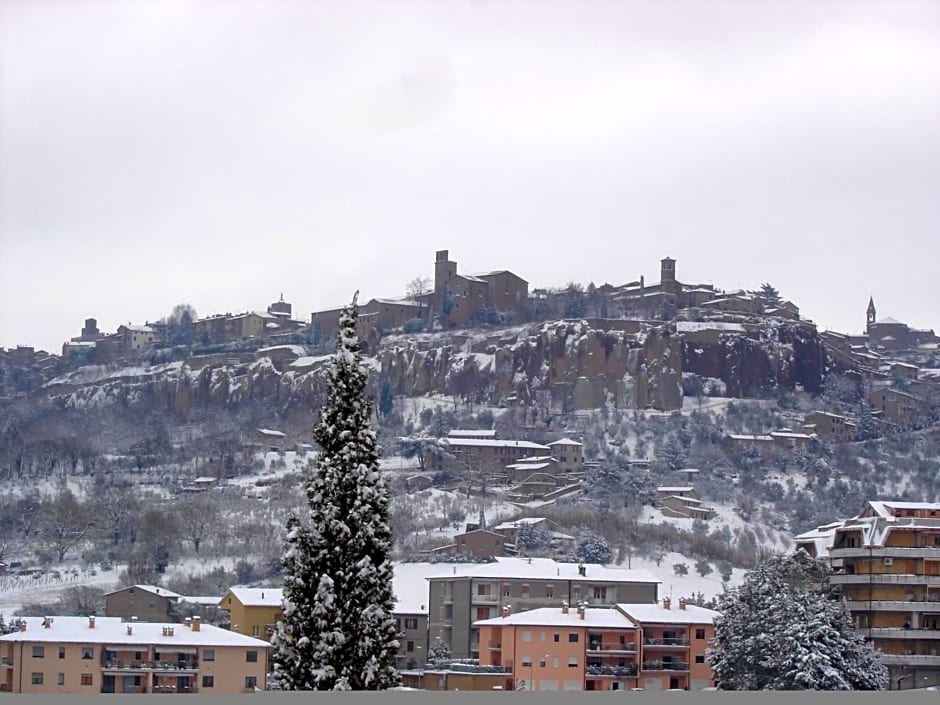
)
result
[(251, 656), (208, 681), (88, 679), (255, 630), (699, 633), (39, 652), (572, 662), (251, 682), (152, 603), (507, 589), (410, 646), (61, 679), (88, 652), (130, 591), (700, 658), (526, 660), (600, 592), (411, 623), (572, 637), (527, 636), (525, 589), (36, 679), (61, 652), (208, 655), (483, 589), (557, 637), (555, 660), (542, 662), (549, 591)]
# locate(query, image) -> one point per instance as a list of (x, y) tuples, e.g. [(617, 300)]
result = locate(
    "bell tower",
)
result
[(871, 312)]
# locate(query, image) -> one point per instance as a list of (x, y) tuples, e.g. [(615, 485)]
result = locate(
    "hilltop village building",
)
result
[(887, 565)]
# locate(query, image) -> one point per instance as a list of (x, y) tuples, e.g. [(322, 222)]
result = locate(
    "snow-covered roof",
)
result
[(739, 437), (153, 589), (258, 597), (208, 600), (401, 302), (788, 434), (140, 329), (692, 326), (296, 349), (269, 432), (206, 479), (889, 321), (545, 569), (598, 617), (493, 443), (113, 632), (529, 466), (565, 442), (472, 433), (674, 489), (518, 523), (657, 614)]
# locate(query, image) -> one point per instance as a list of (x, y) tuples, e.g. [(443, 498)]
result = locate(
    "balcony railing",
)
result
[(614, 671), (668, 641), (900, 633), (486, 598), (611, 649), (665, 666), (889, 551), (5, 661), (911, 660), (884, 579), (495, 646)]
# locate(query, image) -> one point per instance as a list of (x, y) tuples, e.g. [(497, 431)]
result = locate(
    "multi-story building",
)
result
[(648, 646), (830, 427), (491, 454), (890, 580), (76, 655), (569, 454), (253, 611), (469, 593), (147, 603)]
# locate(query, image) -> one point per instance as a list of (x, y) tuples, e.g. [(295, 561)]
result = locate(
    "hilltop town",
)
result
[(629, 449)]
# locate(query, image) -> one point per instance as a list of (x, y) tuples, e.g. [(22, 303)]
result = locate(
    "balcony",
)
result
[(892, 605), (494, 646), (611, 649), (612, 671), (5, 662), (488, 599), (666, 641), (665, 666), (911, 660), (899, 633), (886, 551), (125, 666), (884, 579)]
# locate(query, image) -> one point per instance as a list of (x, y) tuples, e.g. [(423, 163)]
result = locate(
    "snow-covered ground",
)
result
[(725, 516), (676, 586)]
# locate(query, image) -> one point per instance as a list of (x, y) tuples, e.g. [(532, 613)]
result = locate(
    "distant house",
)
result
[(830, 427), (253, 611), (275, 440), (686, 507), (416, 483), (479, 543), (146, 603), (790, 439), (734, 443), (472, 433), (281, 356), (898, 407), (570, 455)]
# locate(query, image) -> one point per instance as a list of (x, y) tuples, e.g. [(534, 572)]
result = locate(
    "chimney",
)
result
[(262, 594), (23, 626), (91, 621), (564, 606), (581, 611), (196, 624), (681, 603), (507, 610), (189, 622), (130, 630), (46, 622), (666, 603)]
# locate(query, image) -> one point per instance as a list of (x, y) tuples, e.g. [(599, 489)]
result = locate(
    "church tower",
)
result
[(871, 312)]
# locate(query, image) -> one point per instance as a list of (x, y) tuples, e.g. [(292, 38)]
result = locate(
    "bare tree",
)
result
[(197, 517), (64, 524), (417, 288)]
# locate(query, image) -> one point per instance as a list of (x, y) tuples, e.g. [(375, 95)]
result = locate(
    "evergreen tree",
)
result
[(439, 653), (782, 630), (770, 293), (337, 632), (386, 399), (594, 550)]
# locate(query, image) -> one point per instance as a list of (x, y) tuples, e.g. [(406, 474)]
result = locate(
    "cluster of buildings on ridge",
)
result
[(886, 562)]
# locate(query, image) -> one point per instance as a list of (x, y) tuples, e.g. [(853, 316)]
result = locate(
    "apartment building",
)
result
[(253, 611), (649, 646), (569, 455), (830, 427), (147, 603), (469, 593), (890, 580), (491, 454), (83, 655)]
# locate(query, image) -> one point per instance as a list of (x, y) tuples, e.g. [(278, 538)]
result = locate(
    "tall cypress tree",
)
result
[(338, 632)]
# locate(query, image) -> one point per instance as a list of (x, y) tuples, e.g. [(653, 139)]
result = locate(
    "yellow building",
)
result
[(253, 611), (77, 655), (890, 580)]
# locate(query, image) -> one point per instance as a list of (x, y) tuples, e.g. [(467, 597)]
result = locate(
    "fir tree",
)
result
[(782, 630), (439, 653), (337, 632)]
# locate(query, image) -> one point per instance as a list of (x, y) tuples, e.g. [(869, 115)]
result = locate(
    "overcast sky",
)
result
[(221, 152)]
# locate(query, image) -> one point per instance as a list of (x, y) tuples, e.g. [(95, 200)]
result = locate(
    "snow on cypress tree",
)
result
[(781, 630), (338, 632)]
